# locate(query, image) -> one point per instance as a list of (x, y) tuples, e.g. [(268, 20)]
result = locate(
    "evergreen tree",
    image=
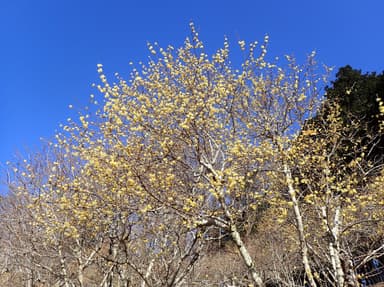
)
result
[(358, 96)]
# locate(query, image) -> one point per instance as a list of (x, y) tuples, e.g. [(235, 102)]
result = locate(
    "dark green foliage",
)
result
[(357, 95)]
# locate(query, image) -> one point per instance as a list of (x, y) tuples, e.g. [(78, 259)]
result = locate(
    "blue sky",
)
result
[(49, 49)]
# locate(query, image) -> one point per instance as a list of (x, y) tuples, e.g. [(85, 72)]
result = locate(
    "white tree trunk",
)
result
[(300, 226), (246, 256), (63, 267), (29, 281), (147, 273), (235, 235), (80, 275), (335, 245)]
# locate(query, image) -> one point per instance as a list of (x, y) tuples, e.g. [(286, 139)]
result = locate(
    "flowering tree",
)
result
[(192, 137), (189, 149)]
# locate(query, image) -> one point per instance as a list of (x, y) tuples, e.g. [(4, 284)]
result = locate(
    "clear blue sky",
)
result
[(49, 48)]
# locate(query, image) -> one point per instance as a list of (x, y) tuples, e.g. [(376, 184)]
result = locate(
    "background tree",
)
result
[(358, 96)]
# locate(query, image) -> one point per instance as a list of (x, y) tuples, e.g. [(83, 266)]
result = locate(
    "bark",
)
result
[(29, 281), (300, 227), (82, 263), (80, 277), (80, 267), (109, 274), (335, 245), (123, 279), (336, 264), (246, 257), (350, 275), (235, 235), (113, 252), (147, 273), (63, 267)]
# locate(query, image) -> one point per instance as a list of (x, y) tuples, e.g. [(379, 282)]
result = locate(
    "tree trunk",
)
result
[(63, 267), (336, 264), (246, 256), (147, 273), (300, 227), (350, 275), (29, 281), (335, 245), (80, 275)]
